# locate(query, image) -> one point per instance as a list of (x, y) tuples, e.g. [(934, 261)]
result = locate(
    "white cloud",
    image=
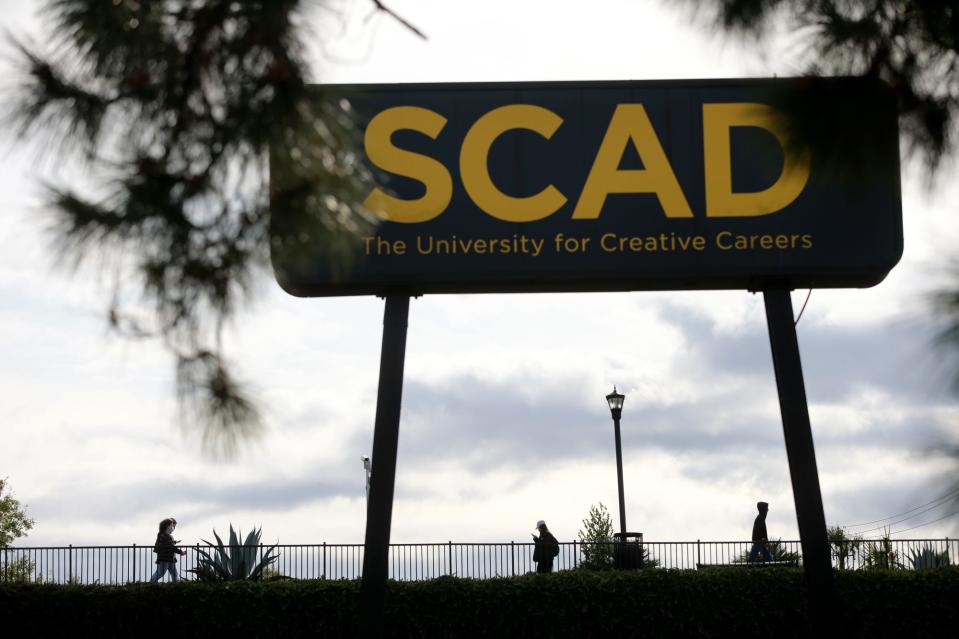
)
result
[(504, 420)]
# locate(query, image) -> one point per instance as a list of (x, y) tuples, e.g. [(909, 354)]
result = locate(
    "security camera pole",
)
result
[(366, 467)]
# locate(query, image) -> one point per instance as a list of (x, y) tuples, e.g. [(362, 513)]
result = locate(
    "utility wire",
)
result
[(799, 317), (899, 521), (952, 514), (876, 521)]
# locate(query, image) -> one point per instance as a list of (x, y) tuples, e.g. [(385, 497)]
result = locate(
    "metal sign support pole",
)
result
[(801, 455), (379, 508)]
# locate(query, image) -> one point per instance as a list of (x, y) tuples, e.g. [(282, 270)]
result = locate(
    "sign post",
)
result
[(597, 186), (801, 456), (386, 434)]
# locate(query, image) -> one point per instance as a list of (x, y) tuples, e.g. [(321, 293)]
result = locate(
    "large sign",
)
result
[(599, 186)]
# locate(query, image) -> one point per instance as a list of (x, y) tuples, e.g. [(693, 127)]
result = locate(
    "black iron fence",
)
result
[(412, 562)]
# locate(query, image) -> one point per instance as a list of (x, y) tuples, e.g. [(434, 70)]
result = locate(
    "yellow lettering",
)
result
[(474, 167), (631, 124), (722, 240), (381, 152), (720, 199)]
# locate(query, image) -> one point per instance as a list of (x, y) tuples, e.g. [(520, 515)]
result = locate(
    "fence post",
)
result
[(134, 562), (512, 558), (70, 564), (324, 560), (699, 554), (450, 556)]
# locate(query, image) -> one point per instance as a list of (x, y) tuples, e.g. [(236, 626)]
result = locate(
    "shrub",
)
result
[(653, 604), (22, 569), (778, 551), (597, 542), (596, 537), (880, 555), (843, 546)]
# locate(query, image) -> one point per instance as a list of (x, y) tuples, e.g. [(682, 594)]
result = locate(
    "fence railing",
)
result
[(413, 562)]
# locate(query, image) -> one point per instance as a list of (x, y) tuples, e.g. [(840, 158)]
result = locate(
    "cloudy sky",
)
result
[(504, 419)]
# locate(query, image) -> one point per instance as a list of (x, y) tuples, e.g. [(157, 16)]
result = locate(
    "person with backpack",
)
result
[(545, 548), (166, 551)]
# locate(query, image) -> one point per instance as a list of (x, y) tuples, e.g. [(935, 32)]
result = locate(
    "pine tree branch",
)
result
[(382, 7), (179, 105)]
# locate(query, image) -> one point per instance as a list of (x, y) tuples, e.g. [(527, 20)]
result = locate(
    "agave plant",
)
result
[(234, 561), (928, 558)]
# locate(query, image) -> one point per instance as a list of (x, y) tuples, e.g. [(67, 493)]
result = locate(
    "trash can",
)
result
[(628, 551)]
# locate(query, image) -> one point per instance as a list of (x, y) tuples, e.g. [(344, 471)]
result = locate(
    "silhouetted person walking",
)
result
[(166, 551), (760, 536), (546, 547)]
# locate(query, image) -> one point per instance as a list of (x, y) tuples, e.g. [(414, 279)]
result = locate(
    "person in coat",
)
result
[(545, 548), (760, 537), (166, 551)]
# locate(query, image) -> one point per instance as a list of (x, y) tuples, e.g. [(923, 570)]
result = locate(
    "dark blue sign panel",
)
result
[(601, 186)]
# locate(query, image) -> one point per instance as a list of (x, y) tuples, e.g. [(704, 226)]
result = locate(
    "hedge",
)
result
[(650, 603)]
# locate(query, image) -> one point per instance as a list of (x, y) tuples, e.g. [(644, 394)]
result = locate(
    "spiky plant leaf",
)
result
[(250, 547), (236, 558), (267, 561), (222, 555), (928, 557)]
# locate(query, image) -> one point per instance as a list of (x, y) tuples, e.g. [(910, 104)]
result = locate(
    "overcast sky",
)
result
[(504, 419)]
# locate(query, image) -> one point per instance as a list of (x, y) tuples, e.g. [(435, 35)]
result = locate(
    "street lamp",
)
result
[(615, 401), (366, 467)]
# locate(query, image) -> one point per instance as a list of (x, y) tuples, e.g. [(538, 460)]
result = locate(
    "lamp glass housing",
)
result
[(615, 400)]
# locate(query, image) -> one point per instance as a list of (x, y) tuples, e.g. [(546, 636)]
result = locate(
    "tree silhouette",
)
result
[(170, 108), (14, 522), (912, 46), (596, 537)]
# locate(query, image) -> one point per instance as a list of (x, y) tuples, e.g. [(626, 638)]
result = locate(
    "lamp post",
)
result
[(615, 401)]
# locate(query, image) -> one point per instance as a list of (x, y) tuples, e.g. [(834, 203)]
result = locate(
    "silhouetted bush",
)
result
[(658, 603)]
